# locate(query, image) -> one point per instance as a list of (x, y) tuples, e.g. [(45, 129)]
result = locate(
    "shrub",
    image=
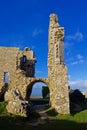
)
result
[(76, 96), (45, 92)]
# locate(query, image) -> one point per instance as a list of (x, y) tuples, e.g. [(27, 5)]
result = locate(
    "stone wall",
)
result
[(57, 71), (10, 61), (21, 68), (8, 64)]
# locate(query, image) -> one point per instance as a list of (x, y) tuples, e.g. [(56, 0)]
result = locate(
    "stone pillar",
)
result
[(61, 95), (57, 71)]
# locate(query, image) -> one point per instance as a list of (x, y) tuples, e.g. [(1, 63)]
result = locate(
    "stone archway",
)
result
[(22, 78), (30, 85), (57, 80)]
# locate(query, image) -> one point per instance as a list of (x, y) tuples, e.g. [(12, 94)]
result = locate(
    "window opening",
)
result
[(24, 59), (6, 77)]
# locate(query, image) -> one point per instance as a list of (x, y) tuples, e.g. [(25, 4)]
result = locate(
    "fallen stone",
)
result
[(19, 107), (16, 104)]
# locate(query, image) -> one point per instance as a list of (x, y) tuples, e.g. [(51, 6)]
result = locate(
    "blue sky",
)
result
[(24, 23)]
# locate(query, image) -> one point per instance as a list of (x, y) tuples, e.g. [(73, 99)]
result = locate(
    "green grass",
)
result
[(51, 112), (3, 111), (77, 121), (39, 101)]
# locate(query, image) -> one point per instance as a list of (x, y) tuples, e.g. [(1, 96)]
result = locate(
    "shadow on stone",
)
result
[(2, 92)]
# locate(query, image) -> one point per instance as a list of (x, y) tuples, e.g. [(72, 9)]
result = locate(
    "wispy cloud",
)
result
[(37, 32), (74, 63), (79, 84), (79, 60), (78, 36), (70, 42), (69, 76), (80, 57), (39, 85)]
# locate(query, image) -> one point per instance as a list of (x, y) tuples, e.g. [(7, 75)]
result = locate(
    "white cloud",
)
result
[(39, 85), (79, 57), (74, 63), (69, 76), (78, 36), (79, 60), (79, 84), (69, 43), (37, 32)]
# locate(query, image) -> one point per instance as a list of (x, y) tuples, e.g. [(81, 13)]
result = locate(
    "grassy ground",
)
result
[(77, 121), (39, 101)]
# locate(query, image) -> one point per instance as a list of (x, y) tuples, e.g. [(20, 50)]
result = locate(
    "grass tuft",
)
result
[(51, 112)]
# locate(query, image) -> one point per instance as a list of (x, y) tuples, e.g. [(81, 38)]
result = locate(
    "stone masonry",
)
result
[(17, 69), (57, 71)]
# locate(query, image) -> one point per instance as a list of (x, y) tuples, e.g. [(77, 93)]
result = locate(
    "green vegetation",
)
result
[(45, 92), (51, 112), (3, 111), (39, 101), (77, 121)]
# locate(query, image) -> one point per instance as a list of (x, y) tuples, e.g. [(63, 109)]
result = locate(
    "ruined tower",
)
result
[(17, 69), (57, 71)]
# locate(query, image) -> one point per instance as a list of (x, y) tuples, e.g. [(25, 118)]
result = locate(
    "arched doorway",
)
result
[(38, 93), (37, 90)]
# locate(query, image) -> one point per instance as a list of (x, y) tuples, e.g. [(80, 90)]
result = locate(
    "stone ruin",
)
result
[(17, 71), (16, 104)]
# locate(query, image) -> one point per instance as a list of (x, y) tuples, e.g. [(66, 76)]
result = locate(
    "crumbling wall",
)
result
[(10, 64), (57, 71), (8, 57)]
